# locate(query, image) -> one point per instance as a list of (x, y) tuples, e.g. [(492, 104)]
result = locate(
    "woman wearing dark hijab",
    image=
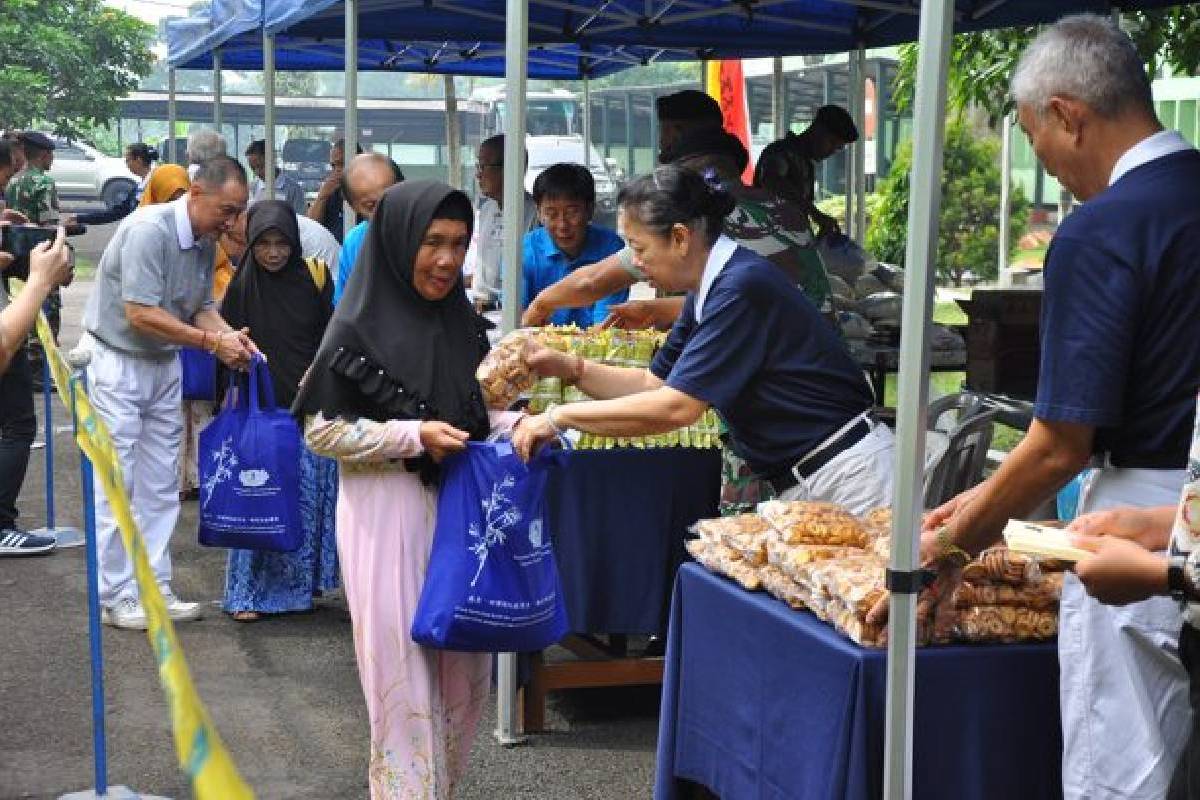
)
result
[(392, 392), (287, 302)]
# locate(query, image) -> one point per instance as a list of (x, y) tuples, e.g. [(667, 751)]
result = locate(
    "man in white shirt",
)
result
[(286, 187), (482, 264)]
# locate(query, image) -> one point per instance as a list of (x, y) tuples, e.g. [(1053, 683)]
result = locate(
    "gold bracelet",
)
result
[(948, 550)]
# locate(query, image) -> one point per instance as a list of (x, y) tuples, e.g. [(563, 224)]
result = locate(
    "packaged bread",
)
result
[(881, 547), (1006, 624), (790, 557), (1001, 565), (807, 522), (782, 587), (716, 557), (503, 374), (739, 524), (878, 522), (1040, 595)]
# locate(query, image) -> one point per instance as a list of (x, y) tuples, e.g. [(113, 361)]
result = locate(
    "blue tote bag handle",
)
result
[(260, 381)]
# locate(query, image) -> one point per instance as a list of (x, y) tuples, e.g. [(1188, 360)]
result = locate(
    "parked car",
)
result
[(307, 161), (81, 172), (545, 151)]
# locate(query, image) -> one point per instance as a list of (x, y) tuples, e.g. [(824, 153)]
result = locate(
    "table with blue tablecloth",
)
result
[(763, 702), (619, 519)]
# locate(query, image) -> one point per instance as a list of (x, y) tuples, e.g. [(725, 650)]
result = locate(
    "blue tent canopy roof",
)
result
[(571, 39), (706, 28)]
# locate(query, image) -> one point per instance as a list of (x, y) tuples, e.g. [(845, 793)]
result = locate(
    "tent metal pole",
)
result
[(171, 115), (860, 149), (913, 395), (453, 134), (350, 133), (587, 122), (516, 40), (217, 90), (853, 82), (777, 97), (1003, 271), (269, 113)]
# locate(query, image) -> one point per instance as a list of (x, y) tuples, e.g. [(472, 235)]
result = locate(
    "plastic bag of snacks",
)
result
[(503, 374)]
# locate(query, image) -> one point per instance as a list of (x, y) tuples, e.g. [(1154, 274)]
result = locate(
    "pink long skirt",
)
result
[(424, 705)]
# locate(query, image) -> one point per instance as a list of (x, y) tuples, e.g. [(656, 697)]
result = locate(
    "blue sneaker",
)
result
[(14, 542)]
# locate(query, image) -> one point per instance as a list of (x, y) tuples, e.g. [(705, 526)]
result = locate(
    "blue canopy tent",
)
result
[(705, 29)]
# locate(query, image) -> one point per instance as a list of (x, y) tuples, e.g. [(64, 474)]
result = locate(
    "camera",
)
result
[(20, 240)]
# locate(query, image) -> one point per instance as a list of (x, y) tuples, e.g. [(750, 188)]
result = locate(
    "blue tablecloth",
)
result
[(619, 520), (762, 702)]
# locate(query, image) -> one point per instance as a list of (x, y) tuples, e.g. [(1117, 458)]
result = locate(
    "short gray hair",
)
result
[(203, 145), (220, 170), (1085, 57)]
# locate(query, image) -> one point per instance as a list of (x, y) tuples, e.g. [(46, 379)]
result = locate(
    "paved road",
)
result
[(283, 692)]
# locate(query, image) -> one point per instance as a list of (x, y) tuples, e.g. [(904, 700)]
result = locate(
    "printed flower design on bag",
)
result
[(225, 461), (499, 514)]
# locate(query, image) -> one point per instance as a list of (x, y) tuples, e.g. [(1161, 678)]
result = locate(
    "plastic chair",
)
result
[(961, 465), (963, 405)]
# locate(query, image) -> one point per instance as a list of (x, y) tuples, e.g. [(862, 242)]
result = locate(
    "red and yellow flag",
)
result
[(726, 83)]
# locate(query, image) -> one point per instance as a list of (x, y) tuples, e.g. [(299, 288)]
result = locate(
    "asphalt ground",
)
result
[(282, 692)]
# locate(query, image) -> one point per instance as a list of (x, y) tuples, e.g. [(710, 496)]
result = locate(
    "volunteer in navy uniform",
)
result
[(748, 343)]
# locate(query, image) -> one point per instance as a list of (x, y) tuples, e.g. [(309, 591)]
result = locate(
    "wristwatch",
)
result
[(1183, 576), (1178, 585)]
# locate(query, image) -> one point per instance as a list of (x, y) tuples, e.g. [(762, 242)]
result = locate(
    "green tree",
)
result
[(968, 231), (67, 62), (981, 64)]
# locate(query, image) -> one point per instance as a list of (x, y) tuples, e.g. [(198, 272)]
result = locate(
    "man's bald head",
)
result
[(366, 178)]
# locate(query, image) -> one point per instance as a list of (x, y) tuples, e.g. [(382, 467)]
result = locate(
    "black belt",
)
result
[(785, 479)]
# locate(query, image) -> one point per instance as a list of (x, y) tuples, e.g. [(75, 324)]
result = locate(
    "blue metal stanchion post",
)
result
[(101, 791), (66, 537)]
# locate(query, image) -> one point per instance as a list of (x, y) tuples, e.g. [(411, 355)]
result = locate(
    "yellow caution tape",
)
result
[(202, 754)]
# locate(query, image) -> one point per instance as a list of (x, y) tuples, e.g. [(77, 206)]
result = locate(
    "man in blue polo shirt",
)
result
[(1120, 369), (565, 195), (363, 182)]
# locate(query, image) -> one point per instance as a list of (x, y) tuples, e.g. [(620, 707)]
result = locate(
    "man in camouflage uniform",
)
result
[(788, 167), (32, 192)]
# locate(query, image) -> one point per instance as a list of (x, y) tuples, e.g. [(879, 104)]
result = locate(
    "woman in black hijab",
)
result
[(391, 392), (287, 301)]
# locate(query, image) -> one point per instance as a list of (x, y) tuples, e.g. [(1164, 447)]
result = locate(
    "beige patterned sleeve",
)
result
[(363, 441)]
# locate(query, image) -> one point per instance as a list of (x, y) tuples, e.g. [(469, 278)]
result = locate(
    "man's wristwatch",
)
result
[(1183, 576)]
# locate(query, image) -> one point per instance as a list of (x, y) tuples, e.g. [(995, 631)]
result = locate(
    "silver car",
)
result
[(81, 172)]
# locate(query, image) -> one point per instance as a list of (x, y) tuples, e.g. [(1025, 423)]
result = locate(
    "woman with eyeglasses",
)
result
[(748, 343)]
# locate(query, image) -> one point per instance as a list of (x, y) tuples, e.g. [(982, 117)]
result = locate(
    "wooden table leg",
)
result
[(535, 695)]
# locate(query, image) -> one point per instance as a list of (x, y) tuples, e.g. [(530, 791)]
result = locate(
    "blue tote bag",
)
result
[(250, 470), (492, 584), (198, 374)]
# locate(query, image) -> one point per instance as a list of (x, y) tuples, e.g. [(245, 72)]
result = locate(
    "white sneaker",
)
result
[(127, 614), (179, 610)]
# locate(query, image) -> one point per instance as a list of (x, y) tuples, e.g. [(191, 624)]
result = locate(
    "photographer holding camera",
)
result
[(49, 266)]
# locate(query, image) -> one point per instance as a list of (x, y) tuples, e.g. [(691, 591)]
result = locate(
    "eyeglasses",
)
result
[(572, 215), (481, 166)]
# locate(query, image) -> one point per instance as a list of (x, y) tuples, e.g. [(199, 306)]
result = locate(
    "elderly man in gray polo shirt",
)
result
[(153, 294)]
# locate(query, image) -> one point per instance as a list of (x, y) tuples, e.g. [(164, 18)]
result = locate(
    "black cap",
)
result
[(38, 141), (689, 105), (837, 120), (711, 142)]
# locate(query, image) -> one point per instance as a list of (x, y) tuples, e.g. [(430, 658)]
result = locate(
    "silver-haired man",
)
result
[(203, 145), (1120, 369)]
